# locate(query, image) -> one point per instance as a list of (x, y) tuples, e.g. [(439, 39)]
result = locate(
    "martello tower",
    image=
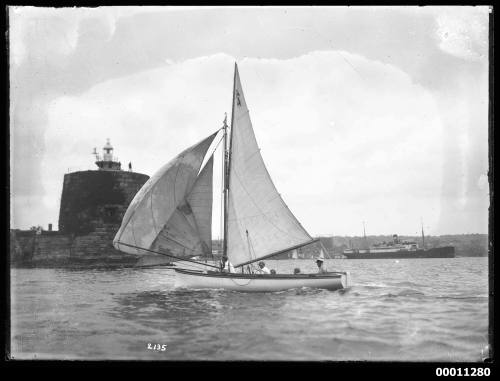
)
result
[(95, 201)]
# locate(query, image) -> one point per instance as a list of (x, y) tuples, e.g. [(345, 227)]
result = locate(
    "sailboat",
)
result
[(171, 215)]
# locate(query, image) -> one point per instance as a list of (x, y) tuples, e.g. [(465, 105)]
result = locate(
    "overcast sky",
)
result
[(376, 114)]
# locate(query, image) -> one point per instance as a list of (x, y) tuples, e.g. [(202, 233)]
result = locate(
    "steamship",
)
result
[(399, 249)]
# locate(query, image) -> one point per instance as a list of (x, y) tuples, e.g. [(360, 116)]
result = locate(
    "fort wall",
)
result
[(93, 204)]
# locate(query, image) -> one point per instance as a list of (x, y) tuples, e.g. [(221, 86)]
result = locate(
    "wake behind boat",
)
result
[(172, 214)]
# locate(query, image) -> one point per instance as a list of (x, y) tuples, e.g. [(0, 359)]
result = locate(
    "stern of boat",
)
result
[(346, 279)]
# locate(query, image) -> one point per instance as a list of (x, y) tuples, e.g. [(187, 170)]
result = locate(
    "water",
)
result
[(396, 310)]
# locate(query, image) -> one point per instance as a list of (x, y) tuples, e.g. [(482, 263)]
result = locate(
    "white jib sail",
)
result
[(171, 211), (259, 222), (200, 199)]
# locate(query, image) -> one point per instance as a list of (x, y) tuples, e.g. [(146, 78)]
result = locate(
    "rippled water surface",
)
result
[(407, 310)]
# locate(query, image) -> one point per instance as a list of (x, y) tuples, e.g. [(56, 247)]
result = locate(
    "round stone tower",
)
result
[(95, 201)]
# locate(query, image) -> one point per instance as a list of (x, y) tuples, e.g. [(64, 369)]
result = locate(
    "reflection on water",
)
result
[(430, 309)]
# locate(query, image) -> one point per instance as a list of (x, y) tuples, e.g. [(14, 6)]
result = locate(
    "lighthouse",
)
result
[(94, 201), (107, 162)]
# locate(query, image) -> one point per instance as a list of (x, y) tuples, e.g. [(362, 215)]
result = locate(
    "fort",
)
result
[(93, 203)]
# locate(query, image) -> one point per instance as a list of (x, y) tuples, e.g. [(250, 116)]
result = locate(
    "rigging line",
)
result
[(167, 255), (152, 212), (175, 180), (222, 206), (222, 199), (252, 250), (239, 228), (228, 159), (260, 210), (198, 265), (217, 145), (133, 232), (193, 267), (324, 250), (162, 234), (279, 252), (223, 190), (249, 247)]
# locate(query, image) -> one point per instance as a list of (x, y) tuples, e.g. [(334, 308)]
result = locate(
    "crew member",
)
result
[(321, 269), (226, 266), (263, 269)]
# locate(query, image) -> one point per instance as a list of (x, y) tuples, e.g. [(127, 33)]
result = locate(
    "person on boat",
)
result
[(226, 266), (273, 272), (321, 269), (263, 269)]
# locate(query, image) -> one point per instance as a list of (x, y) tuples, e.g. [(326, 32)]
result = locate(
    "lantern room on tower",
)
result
[(107, 162)]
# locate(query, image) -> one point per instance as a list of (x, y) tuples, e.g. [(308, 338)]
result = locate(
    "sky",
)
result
[(374, 114)]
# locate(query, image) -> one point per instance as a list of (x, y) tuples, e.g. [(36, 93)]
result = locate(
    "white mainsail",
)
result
[(172, 212), (259, 222)]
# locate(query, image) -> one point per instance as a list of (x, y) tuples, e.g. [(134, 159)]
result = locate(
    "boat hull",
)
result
[(438, 252), (258, 283)]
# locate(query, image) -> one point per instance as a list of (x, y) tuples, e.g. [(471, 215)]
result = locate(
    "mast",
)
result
[(423, 240), (224, 190), (364, 236), (227, 164)]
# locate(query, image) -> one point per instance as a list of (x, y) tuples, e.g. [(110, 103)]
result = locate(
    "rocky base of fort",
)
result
[(53, 249), (75, 264)]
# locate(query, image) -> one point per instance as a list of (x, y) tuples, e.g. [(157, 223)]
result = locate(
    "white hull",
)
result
[(258, 283)]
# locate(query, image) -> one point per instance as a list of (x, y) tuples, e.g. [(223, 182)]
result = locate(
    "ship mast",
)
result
[(227, 164), (423, 240), (364, 235)]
